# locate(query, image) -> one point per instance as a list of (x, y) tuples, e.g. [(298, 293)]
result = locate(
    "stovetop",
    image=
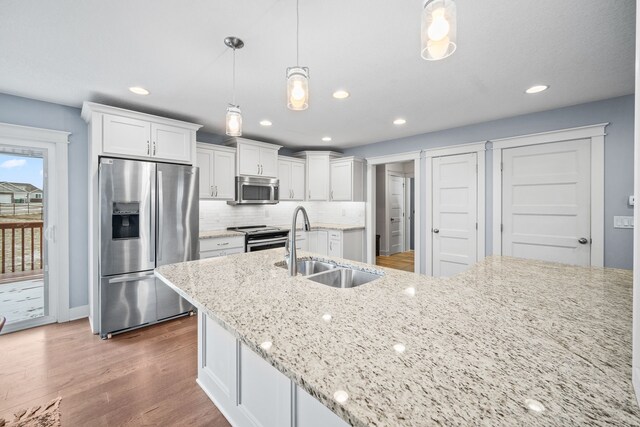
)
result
[(256, 229)]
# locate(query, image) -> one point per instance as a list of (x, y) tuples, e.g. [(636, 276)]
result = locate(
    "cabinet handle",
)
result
[(223, 244), (331, 194), (258, 169), (154, 148), (216, 187), (211, 190), (330, 245), (261, 170), (148, 148)]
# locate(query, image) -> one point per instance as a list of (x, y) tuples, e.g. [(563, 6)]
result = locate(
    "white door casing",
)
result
[(395, 213), (594, 133), (54, 145), (546, 202), (455, 213)]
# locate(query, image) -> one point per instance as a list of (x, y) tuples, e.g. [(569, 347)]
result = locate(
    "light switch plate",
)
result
[(632, 200), (622, 222)]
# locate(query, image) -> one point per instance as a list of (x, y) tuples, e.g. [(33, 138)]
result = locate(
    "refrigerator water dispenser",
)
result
[(125, 220)]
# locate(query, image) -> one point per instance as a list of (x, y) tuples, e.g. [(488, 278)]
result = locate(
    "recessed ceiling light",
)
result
[(326, 139), (537, 89), (265, 123), (341, 94), (399, 122), (139, 90), (341, 396)]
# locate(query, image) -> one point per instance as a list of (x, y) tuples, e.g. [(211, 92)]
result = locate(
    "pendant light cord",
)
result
[(298, 33), (234, 76)]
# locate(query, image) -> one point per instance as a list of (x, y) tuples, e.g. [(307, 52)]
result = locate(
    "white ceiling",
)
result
[(69, 51)]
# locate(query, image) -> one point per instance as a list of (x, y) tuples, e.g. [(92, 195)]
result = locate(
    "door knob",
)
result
[(392, 219), (583, 240), (435, 230)]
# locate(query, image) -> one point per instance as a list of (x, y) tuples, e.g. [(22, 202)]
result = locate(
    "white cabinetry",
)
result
[(261, 396), (292, 177), (318, 173), (127, 136), (221, 246), (256, 158), (217, 171), (347, 244), (347, 180)]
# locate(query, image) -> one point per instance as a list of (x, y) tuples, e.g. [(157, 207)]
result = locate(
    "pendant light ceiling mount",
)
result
[(234, 115)]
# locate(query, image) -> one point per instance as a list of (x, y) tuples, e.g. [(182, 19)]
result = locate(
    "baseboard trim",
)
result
[(79, 312)]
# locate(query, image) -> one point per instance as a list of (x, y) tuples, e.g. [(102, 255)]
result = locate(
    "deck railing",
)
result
[(21, 246)]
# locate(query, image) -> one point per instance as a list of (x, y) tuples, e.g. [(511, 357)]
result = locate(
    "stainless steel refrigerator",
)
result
[(148, 218)]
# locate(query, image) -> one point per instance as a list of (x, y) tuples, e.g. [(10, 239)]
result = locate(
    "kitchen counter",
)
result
[(478, 345), (326, 226), (214, 234)]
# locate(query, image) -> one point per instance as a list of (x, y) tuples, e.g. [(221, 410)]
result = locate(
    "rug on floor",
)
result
[(38, 416)]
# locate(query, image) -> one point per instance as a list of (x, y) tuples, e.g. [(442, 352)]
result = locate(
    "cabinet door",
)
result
[(125, 136), (224, 175), (284, 175), (204, 161), (318, 178), (341, 182), (249, 160), (310, 412), (268, 162), (335, 247), (322, 242), (265, 393), (171, 143), (297, 181)]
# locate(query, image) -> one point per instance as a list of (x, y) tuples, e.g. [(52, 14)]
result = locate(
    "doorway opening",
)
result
[(395, 215), (24, 290)]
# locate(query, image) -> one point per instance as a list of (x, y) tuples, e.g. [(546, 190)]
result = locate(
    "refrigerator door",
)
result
[(178, 209), (127, 301), (127, 216)]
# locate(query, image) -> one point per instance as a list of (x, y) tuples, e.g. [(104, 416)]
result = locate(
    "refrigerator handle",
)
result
[(152, 220), (160, 215)]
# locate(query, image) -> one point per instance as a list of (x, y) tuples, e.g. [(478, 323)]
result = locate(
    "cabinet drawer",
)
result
[(221, 243), (221, 252), (336, 235)]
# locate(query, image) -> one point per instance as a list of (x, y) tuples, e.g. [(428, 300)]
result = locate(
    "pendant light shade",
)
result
[(234, 115), (234, 120), (438, 29), (297, 88), (297, 77)]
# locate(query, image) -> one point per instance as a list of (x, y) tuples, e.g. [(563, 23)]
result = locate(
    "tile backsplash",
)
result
[(216, 215)]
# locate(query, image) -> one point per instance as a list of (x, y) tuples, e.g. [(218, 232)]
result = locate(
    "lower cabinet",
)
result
[(336, 243), (221, 246), (247, 389)]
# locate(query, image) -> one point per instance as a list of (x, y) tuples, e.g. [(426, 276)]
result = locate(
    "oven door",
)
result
[(266, 243)]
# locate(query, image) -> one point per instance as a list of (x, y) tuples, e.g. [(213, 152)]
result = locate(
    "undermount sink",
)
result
[(331, 274), (344, 278)]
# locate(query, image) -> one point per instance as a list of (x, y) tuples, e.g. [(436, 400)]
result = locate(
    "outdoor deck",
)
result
[(22, 300)]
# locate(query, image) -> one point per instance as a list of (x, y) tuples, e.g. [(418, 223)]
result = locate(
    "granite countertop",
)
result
[(219, 233), (327, 226), (478, 345)]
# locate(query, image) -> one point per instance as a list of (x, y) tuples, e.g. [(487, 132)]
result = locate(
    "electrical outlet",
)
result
[(622, 222), (632, 200)]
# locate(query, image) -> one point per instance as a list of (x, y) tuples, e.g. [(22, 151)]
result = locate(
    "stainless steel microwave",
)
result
[(252, 190)]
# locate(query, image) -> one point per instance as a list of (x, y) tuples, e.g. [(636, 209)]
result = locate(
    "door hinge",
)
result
[(501, 166), (501, 228), (476, 225)]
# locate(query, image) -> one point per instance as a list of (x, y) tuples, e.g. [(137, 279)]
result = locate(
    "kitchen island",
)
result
[(509, 342)]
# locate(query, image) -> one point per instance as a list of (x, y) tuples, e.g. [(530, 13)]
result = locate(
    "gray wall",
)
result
[(28, 112), (618, 158)]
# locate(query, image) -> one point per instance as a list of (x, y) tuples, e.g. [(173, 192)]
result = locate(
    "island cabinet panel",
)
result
[(311, 413), (219, 358), (265, 393)]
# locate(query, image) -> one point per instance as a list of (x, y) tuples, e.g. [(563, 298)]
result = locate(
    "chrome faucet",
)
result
[(291, 241)]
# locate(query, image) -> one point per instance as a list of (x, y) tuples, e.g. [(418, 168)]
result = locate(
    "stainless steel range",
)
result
[(262, 237)]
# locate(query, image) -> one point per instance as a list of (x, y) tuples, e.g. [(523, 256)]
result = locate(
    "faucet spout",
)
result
[(291, 241)]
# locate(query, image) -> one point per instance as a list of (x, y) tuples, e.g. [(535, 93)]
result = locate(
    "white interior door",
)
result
[(546, 202), (455, 213), (396, 213)]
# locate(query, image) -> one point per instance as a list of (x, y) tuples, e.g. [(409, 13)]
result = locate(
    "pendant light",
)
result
[(438, 31), (234, 115), (298, 77)]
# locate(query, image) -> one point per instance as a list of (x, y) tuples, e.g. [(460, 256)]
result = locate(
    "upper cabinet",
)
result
[(217, 171), (318, 173), (291, 176), (347, 180), (131, 134), (256, 158)]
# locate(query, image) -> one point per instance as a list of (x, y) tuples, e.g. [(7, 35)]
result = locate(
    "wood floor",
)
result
[(400, 261), (146, 377)]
